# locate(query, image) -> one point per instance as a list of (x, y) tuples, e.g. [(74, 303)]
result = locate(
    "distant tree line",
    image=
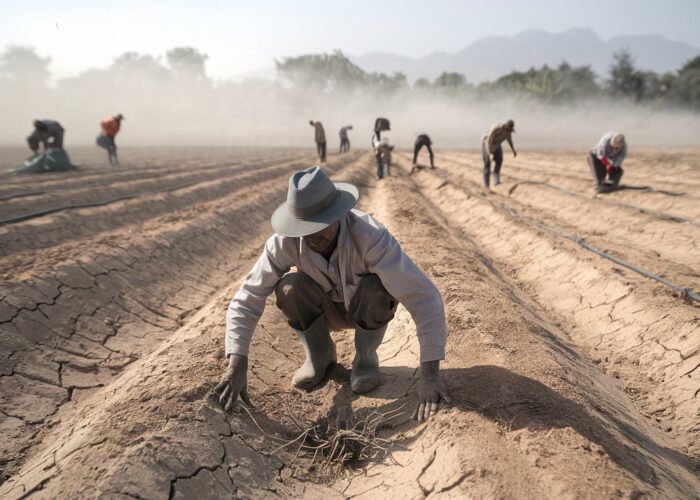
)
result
[(563, 84), (333, 73)]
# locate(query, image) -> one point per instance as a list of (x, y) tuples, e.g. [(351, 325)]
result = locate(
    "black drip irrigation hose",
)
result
[(648, 211), (680, 292), (653, 213), (142, 175), (12, 196), (48, 211), (73, 206)]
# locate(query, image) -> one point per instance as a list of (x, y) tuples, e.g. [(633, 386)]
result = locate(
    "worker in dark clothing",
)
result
[(47, 132), (421, 141), (344, 141), (380, 124), (320, 138), (491, 146), (606, 160)]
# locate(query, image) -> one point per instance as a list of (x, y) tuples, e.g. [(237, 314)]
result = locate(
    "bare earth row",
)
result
[(566, 371)]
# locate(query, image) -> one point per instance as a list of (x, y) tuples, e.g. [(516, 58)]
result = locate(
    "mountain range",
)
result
[(491, 57)]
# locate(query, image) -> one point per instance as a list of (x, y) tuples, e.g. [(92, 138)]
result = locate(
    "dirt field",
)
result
[(572, 376)]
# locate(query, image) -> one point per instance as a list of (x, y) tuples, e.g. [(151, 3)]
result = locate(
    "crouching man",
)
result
[(47, 132), (350, 273), (606, 160)]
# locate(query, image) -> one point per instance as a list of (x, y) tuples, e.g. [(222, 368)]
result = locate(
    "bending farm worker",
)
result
[(605, 160), (344, 140), (110, 128), (47, 132), (350, 273), (320, 138), (423, 140), (491, 147)]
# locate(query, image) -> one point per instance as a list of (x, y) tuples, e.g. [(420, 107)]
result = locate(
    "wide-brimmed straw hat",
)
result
[(313, 203)]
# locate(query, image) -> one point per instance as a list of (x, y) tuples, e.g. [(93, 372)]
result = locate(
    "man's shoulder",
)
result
[(363, 223)]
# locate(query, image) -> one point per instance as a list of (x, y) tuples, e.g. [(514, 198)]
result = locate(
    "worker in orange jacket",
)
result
[(110, 127)]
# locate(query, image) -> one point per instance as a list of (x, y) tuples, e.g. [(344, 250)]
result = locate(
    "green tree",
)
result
[(450, 80), (625, 79), (187, 62), (421, 83), (133, 64), (686, 86), (23, 64), (388, 83), (324, 72), (554, 85)]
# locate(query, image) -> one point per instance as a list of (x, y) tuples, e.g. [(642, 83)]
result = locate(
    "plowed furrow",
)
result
[(104, 309), (72, 224), (117, 176), (24, 207), (135, 160), (679, 202), (664, 177), (639, 334), (656, 245)]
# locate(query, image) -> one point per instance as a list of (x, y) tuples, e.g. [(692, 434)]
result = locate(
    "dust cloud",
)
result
[(192, 112)]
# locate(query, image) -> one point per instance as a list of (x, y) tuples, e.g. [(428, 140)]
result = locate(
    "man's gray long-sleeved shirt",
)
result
[(605, 150), (364, 247)]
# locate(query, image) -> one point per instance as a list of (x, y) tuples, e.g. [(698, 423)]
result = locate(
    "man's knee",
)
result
[(300, 299), (372, 306), (293, 285)]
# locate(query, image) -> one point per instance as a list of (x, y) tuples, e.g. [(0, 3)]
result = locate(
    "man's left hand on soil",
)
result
[(432, 391)]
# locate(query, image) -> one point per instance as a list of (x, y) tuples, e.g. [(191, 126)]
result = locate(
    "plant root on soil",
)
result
[(335, 444)]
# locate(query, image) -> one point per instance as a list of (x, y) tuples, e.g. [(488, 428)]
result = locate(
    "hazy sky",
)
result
[(244, 36)]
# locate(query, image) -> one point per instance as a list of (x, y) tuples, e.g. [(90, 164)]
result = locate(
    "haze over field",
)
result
[(172, 111), (199, 101)]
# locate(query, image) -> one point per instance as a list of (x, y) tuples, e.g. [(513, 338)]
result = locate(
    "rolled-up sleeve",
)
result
[(248, 304), (411, 287)]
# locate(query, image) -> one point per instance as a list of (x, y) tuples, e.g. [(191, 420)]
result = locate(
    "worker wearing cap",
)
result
[(491, 147), (350, 273), (606, 160), (110, 128)]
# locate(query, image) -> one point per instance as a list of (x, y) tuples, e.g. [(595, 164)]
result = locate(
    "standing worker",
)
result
[(350, 272), (110, 127), (491, 146), (320, 138), (47, 132), (344, 141), (423, 140), (606, 160)]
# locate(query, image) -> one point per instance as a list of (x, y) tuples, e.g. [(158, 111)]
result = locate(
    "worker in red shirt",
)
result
[(110, 127)]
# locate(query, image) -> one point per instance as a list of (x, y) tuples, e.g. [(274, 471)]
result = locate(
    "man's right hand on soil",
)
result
[(234, 383)]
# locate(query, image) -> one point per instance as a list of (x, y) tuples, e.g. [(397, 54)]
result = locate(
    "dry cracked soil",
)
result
[(572, 374)]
